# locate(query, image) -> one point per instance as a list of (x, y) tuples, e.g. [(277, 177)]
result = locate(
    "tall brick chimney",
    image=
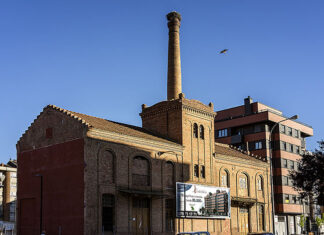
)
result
[(174, 64)]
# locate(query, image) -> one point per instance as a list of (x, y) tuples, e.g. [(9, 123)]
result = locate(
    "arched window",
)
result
[(169, 174), (225, 178), (261, 218), (195, 130), (201, 132), (106, 167), (243, 184), (259, 183), (141, 171)]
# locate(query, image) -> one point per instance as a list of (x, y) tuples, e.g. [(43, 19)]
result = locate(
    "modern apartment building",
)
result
[(217, 203), (8, 191), (247, 127)]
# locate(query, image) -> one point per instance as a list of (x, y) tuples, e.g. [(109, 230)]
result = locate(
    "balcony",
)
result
[(236, 139), (303, 143)]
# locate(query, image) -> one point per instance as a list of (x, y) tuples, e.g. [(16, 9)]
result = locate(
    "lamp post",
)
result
[(271, 170), (41, 203)]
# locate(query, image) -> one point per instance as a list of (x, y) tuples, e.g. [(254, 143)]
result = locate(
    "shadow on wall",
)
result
[(147, 183)]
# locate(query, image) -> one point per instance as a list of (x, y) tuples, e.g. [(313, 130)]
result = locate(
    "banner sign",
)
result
[(202, 201)]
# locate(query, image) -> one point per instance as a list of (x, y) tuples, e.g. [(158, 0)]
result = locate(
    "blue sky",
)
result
[(106, 58)]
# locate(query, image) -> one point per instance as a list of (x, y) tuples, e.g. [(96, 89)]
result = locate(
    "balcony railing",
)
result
[(303, 143), (236, 139)]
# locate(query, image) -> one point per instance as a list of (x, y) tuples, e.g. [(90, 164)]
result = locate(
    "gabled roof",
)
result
[(228, 150), (111, 126)]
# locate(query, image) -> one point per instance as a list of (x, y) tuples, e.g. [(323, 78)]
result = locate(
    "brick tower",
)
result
[(188, 122), (174, 62)]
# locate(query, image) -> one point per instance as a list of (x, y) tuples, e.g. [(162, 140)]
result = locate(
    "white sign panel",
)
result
[(201, 201)]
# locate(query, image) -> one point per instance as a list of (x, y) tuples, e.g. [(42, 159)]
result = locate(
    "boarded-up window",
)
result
[(106, 167), (261, 218), (49, 133), (259, 183), (243, 185), (225, 178), (169, 174), (141, 171)]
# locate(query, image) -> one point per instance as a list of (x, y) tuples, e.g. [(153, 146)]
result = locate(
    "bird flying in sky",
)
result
[(223, 51)]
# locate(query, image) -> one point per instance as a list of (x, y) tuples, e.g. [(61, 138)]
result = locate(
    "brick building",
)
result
[(80, 174), (248, 127)]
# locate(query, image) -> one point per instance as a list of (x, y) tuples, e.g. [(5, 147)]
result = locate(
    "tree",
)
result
[(309, 177), (320, 222), (302, 222)]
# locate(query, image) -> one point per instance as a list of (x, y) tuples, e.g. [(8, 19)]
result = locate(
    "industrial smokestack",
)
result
[(174, 64)]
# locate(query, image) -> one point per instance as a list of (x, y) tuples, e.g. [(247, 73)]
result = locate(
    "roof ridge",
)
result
[(65, 111), (104, 124), (222, 144), (142, 129), (71, 114), (247, 153)]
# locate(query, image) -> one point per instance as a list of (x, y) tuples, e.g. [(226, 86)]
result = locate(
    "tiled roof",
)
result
[(229, 150), (111, 126)]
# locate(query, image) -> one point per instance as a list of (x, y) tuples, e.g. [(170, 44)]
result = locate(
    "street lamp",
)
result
[(41, 203), (271, 170)]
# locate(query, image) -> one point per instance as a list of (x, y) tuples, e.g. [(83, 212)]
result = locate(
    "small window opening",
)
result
[(195, 130), (49, 133), (201, 132), (108, 204), (202, 171), (196, 171)]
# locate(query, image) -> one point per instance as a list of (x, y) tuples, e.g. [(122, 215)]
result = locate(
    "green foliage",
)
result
[(309, 177), (202, 210), (302, 221), (320, 221)]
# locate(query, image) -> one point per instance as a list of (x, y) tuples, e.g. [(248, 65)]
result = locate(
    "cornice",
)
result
[(195, 110), (165, 106), (239, 161), (159, 109)]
